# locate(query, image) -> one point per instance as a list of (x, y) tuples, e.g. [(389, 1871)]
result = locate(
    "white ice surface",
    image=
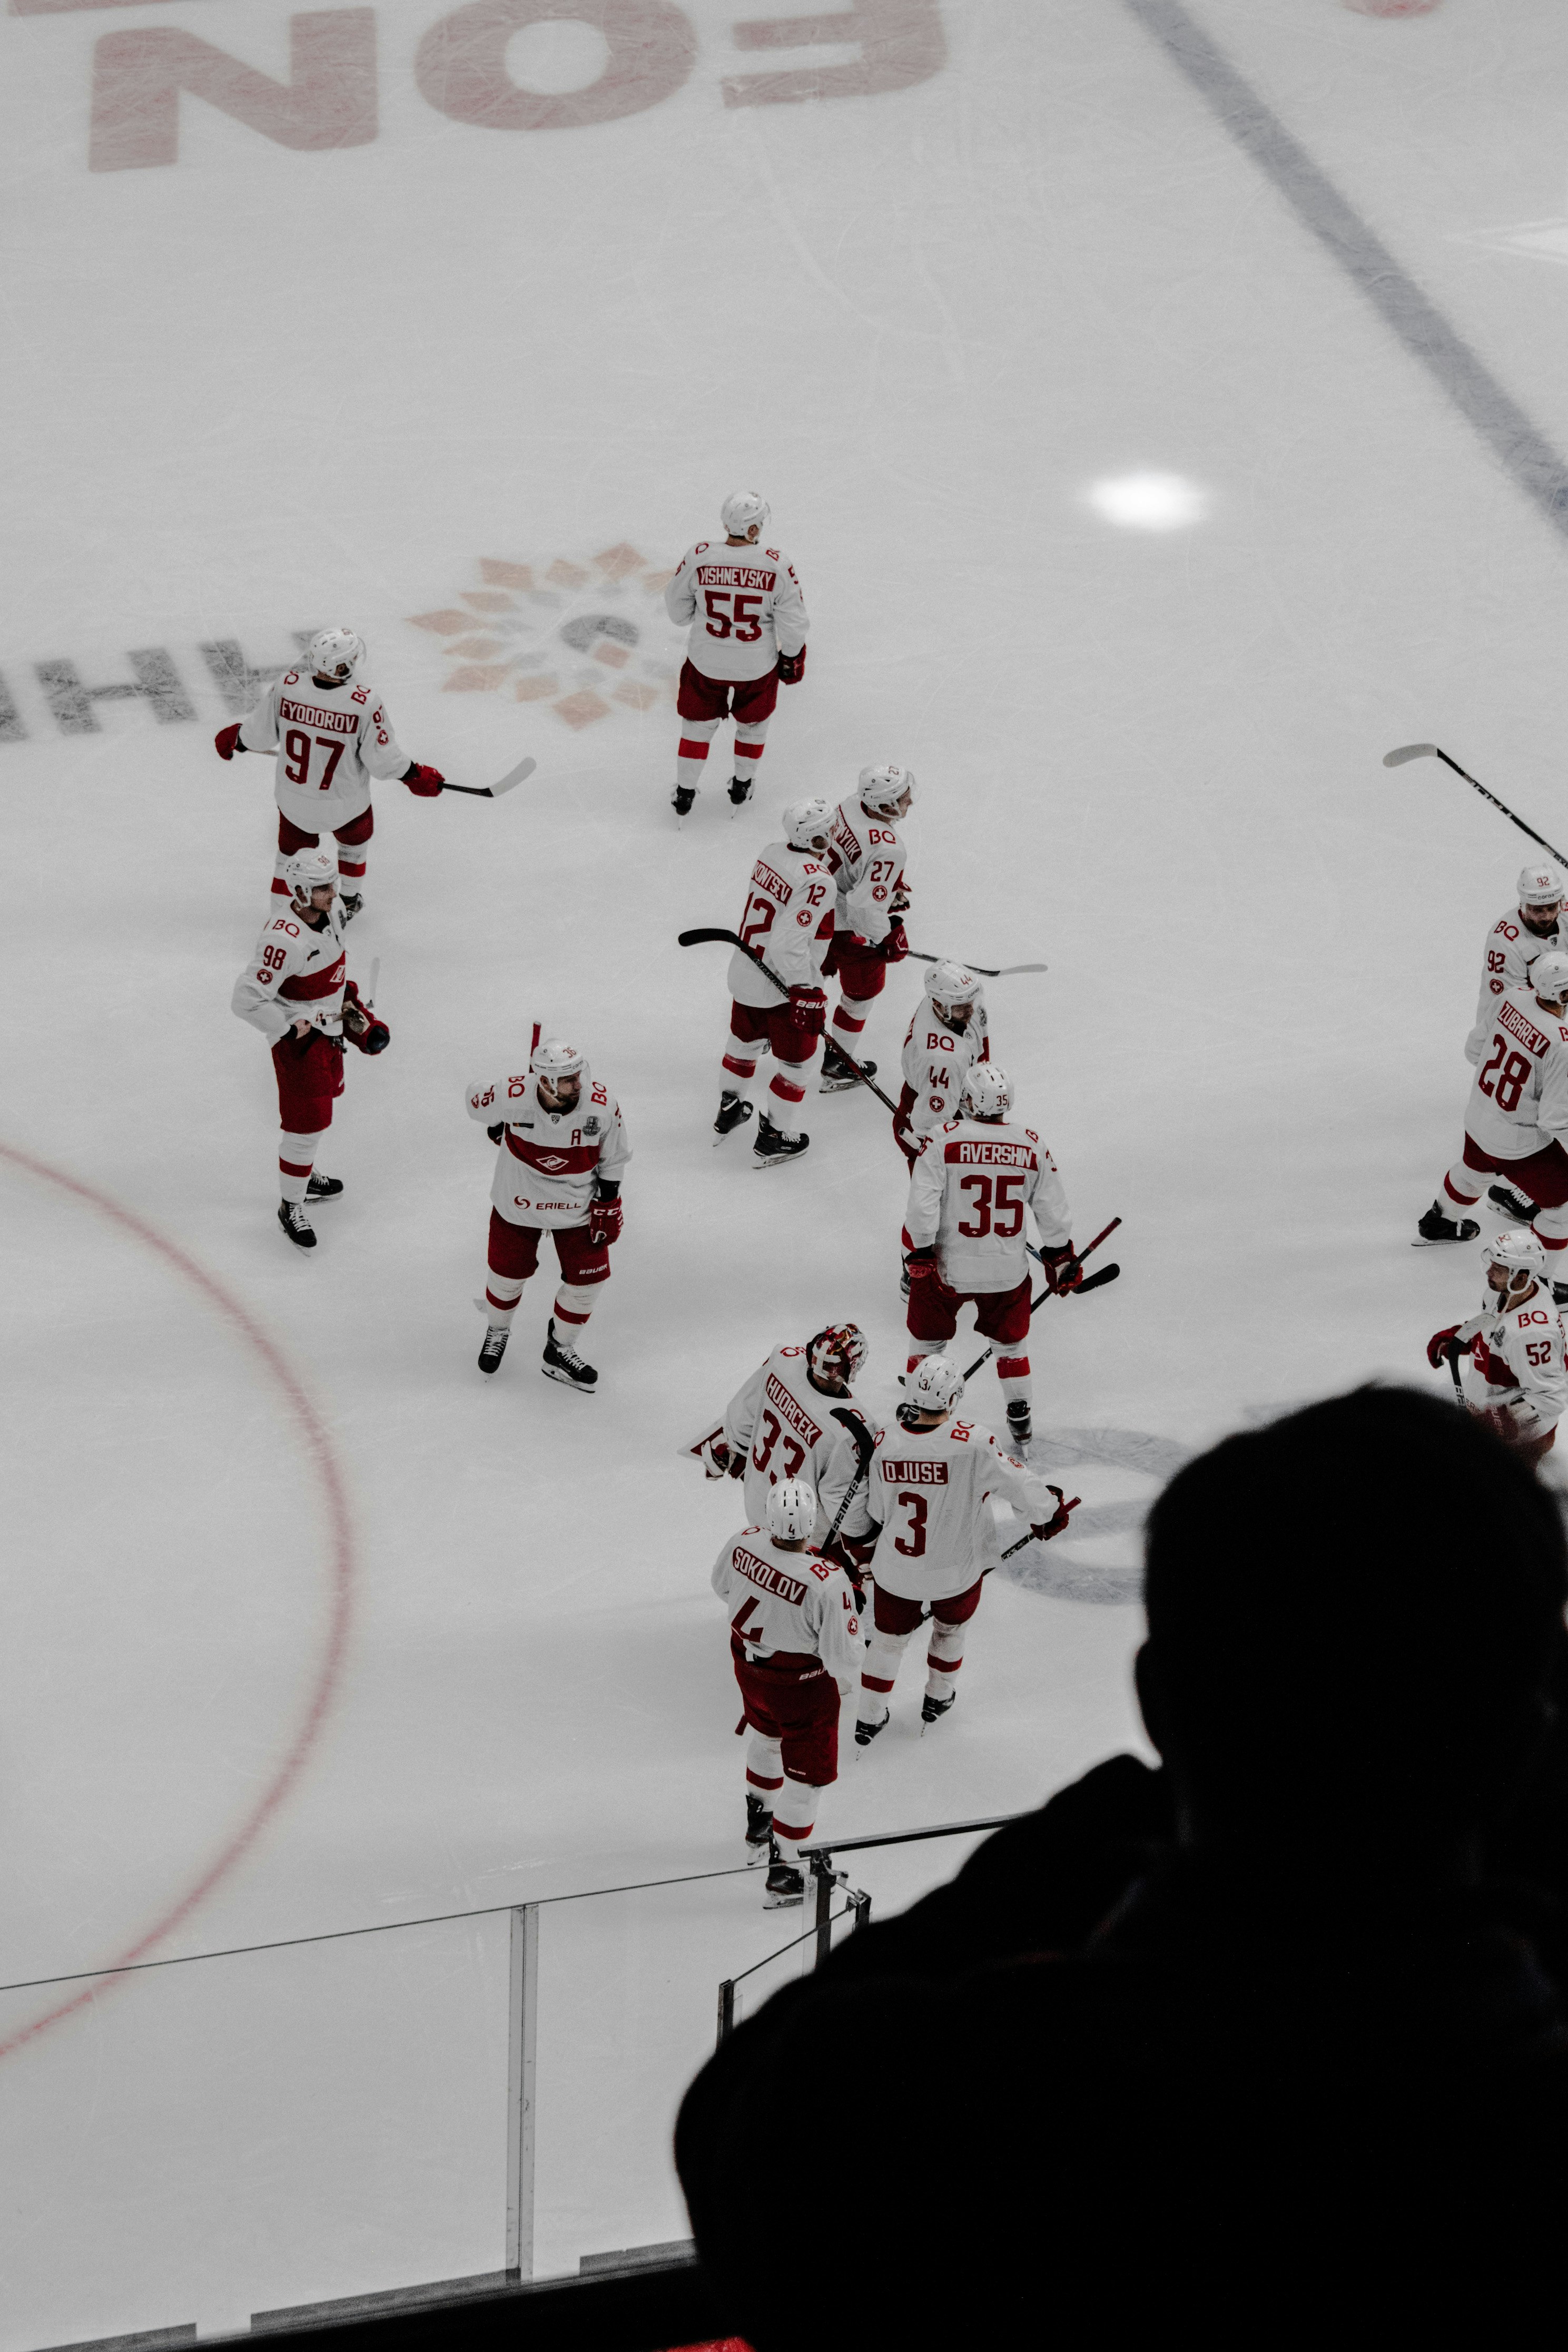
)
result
[(261, 389)]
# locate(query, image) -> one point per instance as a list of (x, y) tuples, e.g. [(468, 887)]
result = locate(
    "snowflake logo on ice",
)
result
[(589, 638)]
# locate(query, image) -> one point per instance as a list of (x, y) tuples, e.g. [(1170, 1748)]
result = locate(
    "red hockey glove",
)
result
[(362, 1027), (605, 1218), (1062, 1271), (792, 667), (226, 742), (896, 947), (1055, 1525), (922, 1265), (425, 783), (1437, 1346), (717, 1458), (809, 1009)]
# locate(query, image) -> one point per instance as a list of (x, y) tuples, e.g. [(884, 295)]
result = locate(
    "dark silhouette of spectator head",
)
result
[(1353, 1617)]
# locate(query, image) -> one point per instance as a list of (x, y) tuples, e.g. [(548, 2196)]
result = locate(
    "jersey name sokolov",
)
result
[(771, 1580)]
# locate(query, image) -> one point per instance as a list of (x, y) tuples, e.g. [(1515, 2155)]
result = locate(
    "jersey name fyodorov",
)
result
[(786, 1429), (298, 974), (1519, 1102), (547, 1167), (937, 1061), (1510, 949), (787, 1606), (788, 918), (1517, 1359), (928, 1494), (744, 604), (968, 1191), (330, 740), (867, 856)]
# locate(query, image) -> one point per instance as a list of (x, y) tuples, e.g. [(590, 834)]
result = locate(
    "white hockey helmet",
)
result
[(1549, 976), (1542, 885), (741, 509), (554, 1059), (935, 1385), (988, 1092), (836, 1352), (791, 1511), (883, 788), (313, 869), (331, 650), (806, 822), (951, 983), (1522, 1253)]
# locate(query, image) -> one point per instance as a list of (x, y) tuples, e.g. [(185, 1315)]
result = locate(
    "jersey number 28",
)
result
[(1511, 1079)]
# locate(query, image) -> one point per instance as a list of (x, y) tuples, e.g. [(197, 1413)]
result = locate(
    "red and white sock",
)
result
[(1455, 1183), (280, 888), (502, 1292), (1012, 1375), (352, 864), (749, 743), (764, 1768), (786, 1095), (296, 1159), (943, 1658), (850, 1018), (573, 1306), (691, 751), (794, 1819)]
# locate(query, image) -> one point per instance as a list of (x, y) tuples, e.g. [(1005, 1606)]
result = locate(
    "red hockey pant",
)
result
[(794, 1049), (1541, 1176), (514, 1255), (999, 1315), (353, 854), (791, 1710), (862, 974), (309, 1080), (895, 1621), (702, 702)]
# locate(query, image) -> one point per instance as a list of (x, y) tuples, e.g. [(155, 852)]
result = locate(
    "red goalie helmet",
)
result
[(836, 1352)]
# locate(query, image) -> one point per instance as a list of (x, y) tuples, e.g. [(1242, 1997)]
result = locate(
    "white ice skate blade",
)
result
[(565, 1381), (767, 1167)]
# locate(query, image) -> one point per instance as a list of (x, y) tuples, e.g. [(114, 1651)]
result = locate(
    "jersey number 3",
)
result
[(912, 1543)]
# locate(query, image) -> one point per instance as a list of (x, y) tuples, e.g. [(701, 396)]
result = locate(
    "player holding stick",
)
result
[(1515, 1346)]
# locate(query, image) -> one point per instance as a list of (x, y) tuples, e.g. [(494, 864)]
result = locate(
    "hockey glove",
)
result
[(360, 1025), (792, 667), (226, 742), (605, 1218), (1438, 1346), (922, 1265), (1062, 1271), (809, 1009), (1062, 1515), (425, 783), (717, 1458), (896, 947), (497, 1131)]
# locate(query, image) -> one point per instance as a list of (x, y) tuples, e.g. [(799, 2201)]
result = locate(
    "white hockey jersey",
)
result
[(1519, 1102), (329, 741), (788, 1608), (1517, 1359), (968, 1191), (296, 974), (867, 856), (788, 918), (928, 1494), (937, 1061), (744, 604), (549, 1161), (1510, 949), (784, 1427)]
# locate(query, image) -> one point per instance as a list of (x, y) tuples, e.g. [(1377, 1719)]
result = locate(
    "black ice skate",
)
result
[(323, 1188), (734, 1110), (561, 1362), (682, 799), (933, 1709), (784, 1883), (740, 789), (291, 1216), (1512, 1204), (1436, 1226), (758, 1832), (351, 901), (1020, 1428), (495, 1346), (866, 1732), (1559, 1294), (772, 1149), (838, 1076)]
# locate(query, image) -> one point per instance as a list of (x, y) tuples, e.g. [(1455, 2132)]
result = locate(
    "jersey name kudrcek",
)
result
[(786, 1429)]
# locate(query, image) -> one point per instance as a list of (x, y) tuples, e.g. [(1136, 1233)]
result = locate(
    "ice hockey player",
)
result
[(1515, 940), (1516, 1118), (796, 1640), (332, 734), (928, 1502), (789, 919), (965, 1236), (780, 1424), (295, 990), (947, 1035), (749, 625), (866, 855), (1515, 1346), (563, 1150)]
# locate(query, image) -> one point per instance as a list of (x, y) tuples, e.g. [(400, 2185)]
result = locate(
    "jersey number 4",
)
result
[(1007, 1222), (296, 747), (744, 623), (1511, 1080)]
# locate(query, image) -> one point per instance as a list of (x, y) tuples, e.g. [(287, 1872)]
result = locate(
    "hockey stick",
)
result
[(1061, 1505), (1001, 972), (1452, 1352), (732, 938), (517, 775), (864, 1445), (1429, 752), (1106, 1274)]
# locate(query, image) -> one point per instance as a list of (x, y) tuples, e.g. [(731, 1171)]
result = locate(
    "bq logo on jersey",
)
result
[(592, 639)]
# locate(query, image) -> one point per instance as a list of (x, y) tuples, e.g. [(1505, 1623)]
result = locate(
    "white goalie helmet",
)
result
[(791, 1511), (313, 869), (1549, 976), (1542, 885), (741, 509), (935, 1385), (331, 649), (807, 823), (1524, 1256), (988, 1092), (554, 1059), (883, 788), (952, 983)]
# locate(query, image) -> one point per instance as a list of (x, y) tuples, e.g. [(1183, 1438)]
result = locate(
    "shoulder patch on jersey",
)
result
[(791, 1351), (1031, 1135), (702, 547), (772, 554)]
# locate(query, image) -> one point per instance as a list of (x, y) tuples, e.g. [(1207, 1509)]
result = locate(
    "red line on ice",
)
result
[(333, 1489)]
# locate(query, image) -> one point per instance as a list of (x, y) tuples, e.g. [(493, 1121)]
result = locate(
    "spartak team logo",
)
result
[(592, 639)]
